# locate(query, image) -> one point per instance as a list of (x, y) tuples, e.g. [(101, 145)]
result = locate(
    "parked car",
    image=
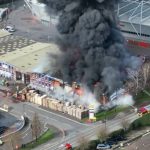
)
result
[(103, 146), (68, 146), (120, 138), (1, 142), (111, 142), (10, 29)]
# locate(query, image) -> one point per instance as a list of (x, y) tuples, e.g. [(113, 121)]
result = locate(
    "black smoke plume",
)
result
[(92, 45)]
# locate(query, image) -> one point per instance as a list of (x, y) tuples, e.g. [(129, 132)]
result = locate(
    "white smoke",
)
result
[(42, 65), (88, 99), (125, 100)]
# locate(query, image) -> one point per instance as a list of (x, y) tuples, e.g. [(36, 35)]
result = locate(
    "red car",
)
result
[(68, 146)]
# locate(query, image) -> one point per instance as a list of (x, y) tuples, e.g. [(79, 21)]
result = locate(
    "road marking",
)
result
[(146, 134), (26, 129), (25, 135), (89, 133), (43, 116)]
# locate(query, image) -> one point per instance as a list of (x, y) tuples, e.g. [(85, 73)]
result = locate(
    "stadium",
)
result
[(134, 16)]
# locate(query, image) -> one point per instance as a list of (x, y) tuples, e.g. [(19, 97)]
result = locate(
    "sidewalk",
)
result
[(132, 137)]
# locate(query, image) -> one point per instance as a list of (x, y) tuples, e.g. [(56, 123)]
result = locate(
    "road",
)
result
[(140, 144), (89, 133), (74, 129), (28, 25)]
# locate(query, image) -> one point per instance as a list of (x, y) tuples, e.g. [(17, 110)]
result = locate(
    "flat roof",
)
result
[(30, 57)]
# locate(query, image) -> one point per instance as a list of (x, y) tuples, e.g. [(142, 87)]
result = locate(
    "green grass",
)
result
[(142, 97), (110, 113), (144, 121), (48, 135), (107, 114)]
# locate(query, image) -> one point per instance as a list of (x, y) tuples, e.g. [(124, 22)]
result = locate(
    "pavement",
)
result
[(27, 25), (142, 143), (137, 140)]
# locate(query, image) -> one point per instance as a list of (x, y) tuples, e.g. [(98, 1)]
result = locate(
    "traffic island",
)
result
[(45, 137)]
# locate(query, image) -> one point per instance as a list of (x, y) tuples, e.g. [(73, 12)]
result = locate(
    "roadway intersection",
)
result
[(73, 128)]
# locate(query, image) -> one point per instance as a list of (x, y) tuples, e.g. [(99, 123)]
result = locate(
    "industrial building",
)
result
[(21, 61)]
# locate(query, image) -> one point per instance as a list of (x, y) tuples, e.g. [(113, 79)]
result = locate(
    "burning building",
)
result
[(45, 101), (92, 45)]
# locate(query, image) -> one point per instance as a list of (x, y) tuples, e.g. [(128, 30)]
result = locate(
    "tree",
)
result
[(83, 142), (125, 124), (13, 141), (102, 134), (139, 80), (145, 72), (36, 126)]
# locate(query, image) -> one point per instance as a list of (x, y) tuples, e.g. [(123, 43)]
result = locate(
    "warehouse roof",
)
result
[(28, 58)]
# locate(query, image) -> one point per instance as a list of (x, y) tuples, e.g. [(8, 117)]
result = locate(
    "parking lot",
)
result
[(27, 25), (12, 42)]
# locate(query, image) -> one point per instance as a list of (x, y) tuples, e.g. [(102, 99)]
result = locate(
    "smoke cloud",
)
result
[(125, 100), (92, 45), (86, 99)]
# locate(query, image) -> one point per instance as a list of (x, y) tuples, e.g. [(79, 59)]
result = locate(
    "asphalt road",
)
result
[(89, 133), (29, 26), (74, 129), (141, 144)]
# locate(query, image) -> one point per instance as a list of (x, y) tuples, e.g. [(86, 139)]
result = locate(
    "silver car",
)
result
[(103, 146)]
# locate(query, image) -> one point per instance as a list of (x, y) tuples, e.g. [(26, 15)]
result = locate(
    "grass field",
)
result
[(144, 121), (110, 113), (48, 135)]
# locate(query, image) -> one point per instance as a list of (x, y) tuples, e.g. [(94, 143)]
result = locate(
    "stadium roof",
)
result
[(136, 15), (134, 11), (30, 57)]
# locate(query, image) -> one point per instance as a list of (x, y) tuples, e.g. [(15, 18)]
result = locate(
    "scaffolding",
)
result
[(135, 12)]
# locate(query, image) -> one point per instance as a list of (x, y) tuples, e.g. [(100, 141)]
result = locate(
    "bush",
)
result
[(141, 122), (93, 144), (117, 132)]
